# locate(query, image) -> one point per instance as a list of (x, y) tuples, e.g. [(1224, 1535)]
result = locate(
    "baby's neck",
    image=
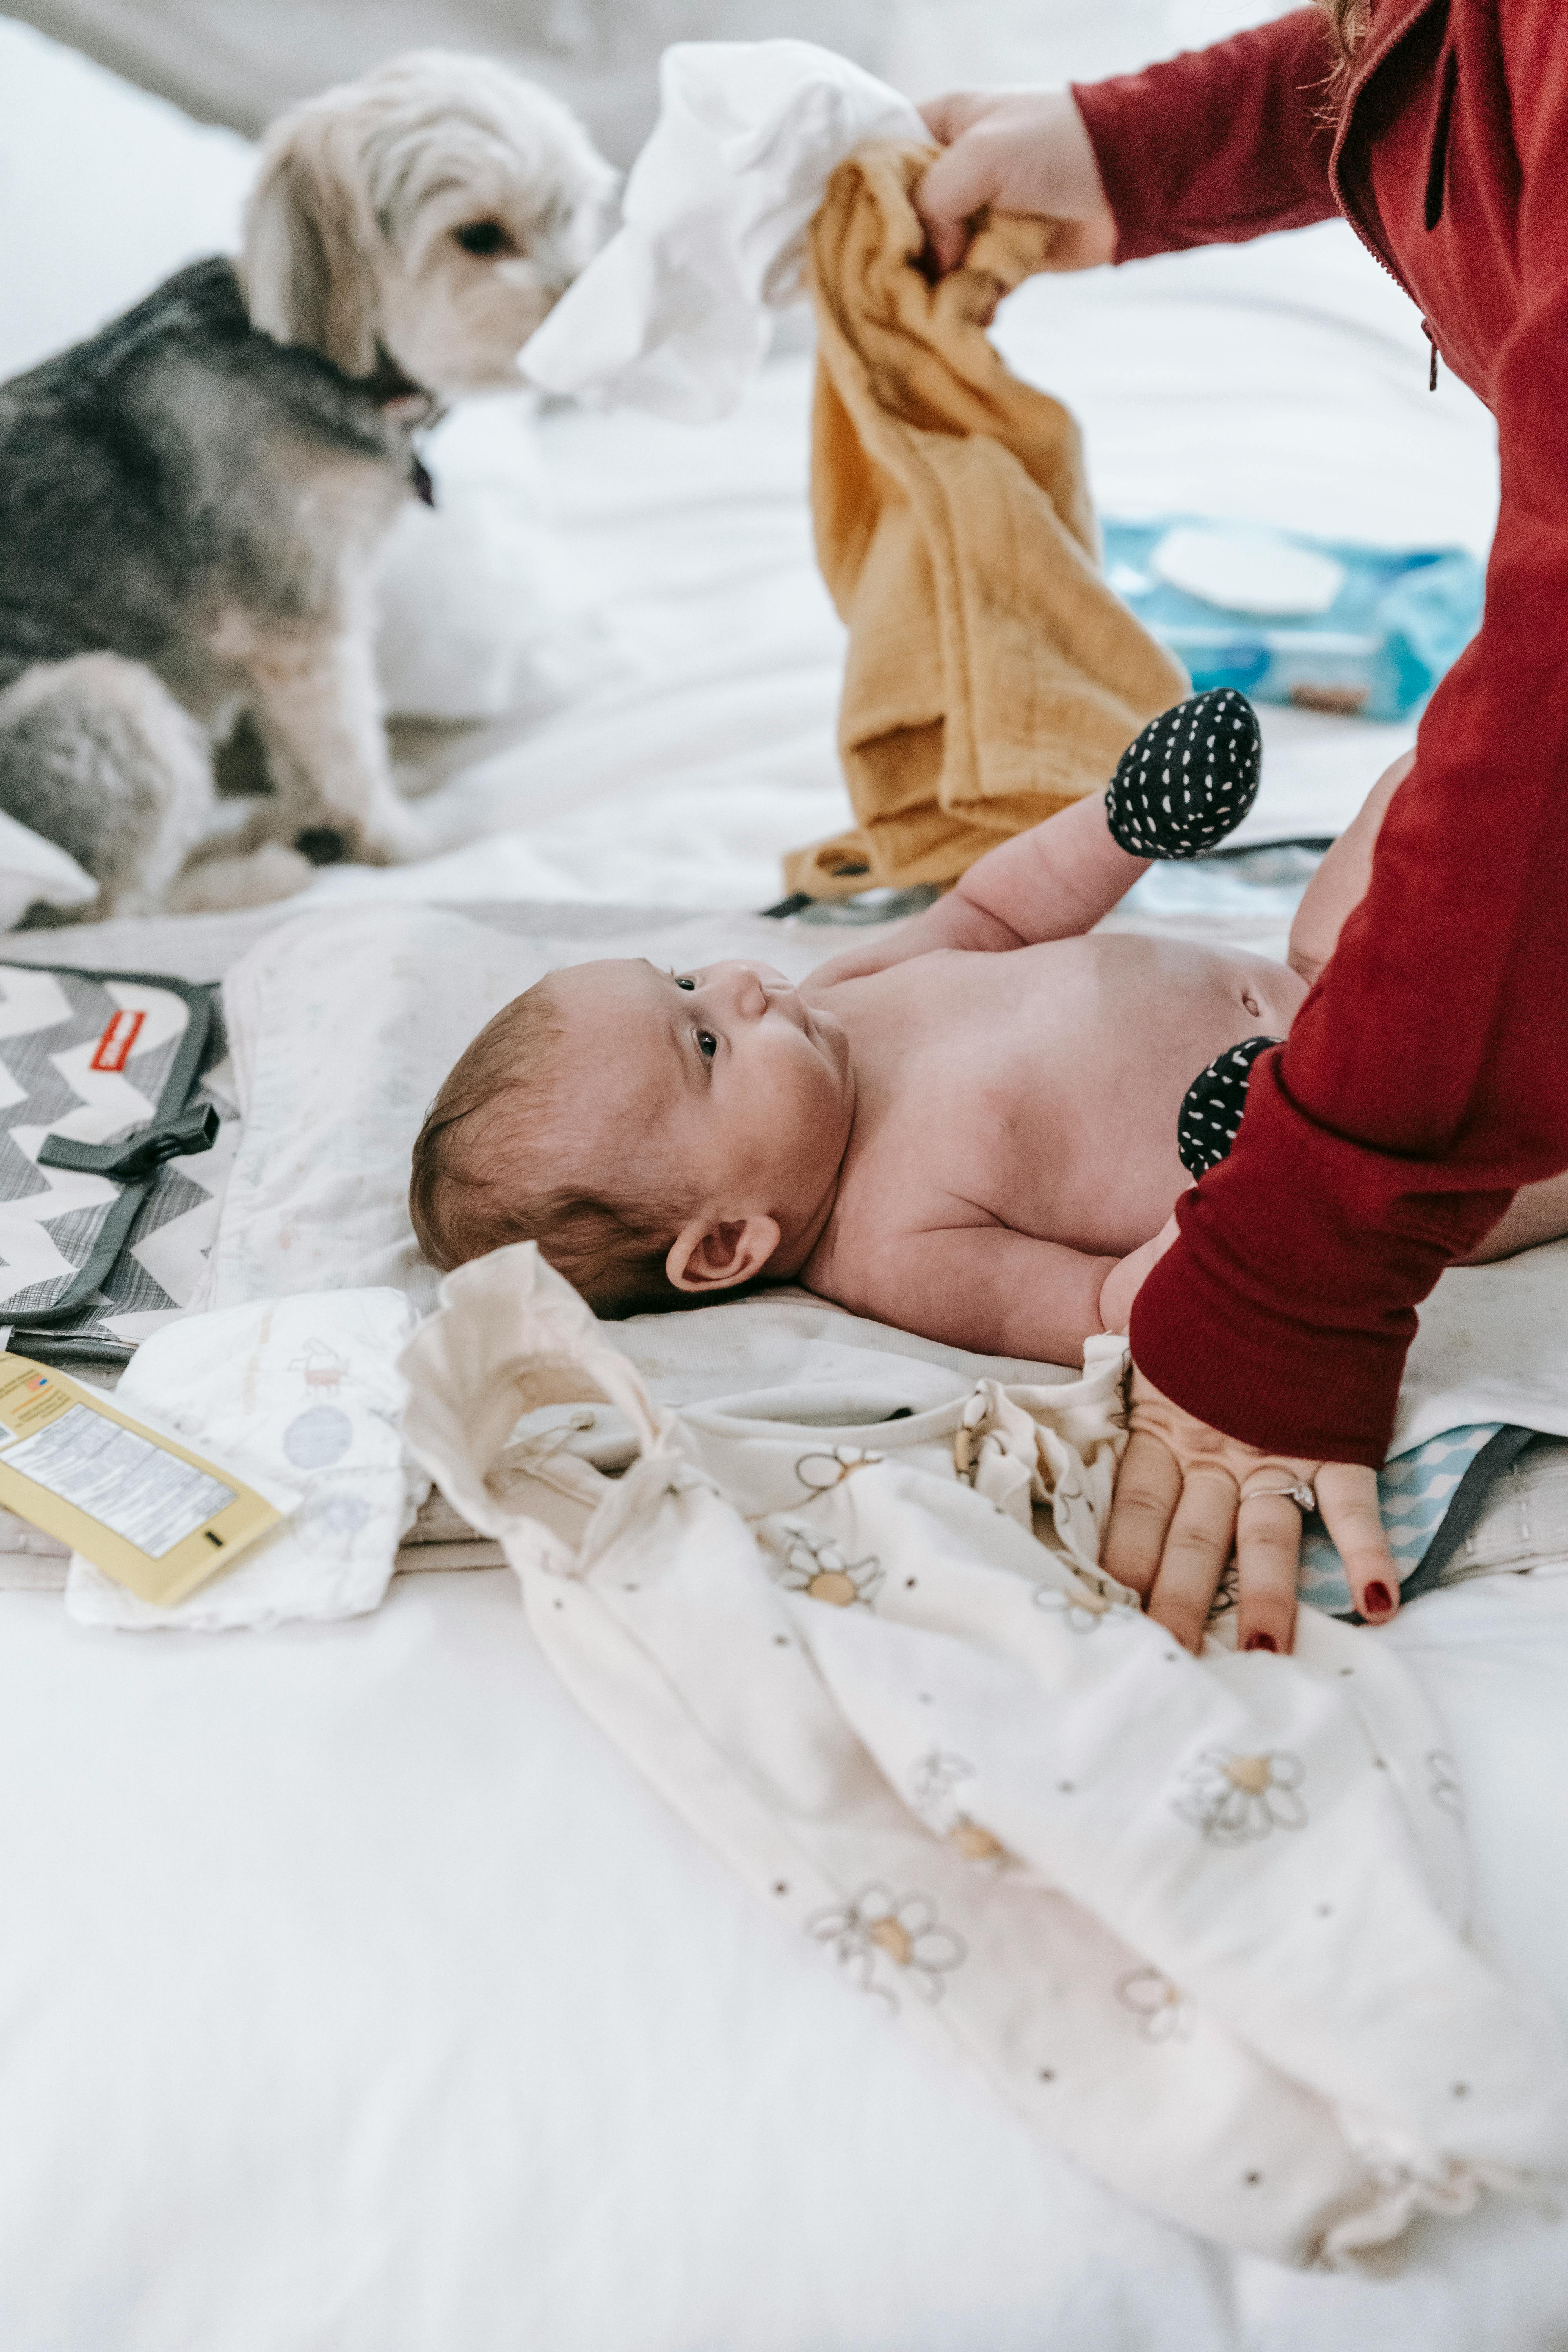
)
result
[(802, 1226), (798, 1242)]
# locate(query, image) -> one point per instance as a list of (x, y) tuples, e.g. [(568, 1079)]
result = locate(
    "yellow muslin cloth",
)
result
[(992, 676)]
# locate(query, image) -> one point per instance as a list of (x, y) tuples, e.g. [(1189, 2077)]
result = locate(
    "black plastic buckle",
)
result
[(135, 1156)]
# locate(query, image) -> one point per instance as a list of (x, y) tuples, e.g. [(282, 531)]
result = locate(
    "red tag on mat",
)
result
[(113, 1049)]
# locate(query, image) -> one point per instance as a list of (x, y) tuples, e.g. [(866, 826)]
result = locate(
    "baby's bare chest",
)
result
[(1040, 1090)]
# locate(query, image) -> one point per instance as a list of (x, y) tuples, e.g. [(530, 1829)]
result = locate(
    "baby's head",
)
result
[(662, 1136)]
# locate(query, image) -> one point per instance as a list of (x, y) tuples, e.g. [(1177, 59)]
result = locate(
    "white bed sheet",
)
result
[(354, 1996), (357, 1997)]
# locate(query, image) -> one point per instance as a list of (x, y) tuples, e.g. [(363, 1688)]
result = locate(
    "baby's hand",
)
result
[(856, 962), (953, 922), (1125, 1280)]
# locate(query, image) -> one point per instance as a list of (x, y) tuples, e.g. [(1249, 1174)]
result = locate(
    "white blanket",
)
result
[(1198, 1919)]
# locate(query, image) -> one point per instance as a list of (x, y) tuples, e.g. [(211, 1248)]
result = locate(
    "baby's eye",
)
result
[(708, 1045), (683, 980)]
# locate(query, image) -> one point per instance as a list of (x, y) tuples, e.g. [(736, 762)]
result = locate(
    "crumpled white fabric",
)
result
[(34, 872), (302, 1399), (671, 316), (1199, 1919)]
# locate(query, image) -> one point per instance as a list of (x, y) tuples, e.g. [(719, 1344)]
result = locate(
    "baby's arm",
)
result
[(1053, 882), (1122, 1284), (1001, 1293), (1341, 882), (1179, 788)]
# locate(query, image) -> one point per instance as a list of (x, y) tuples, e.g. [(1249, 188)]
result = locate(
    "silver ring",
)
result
[(1303, 1497)]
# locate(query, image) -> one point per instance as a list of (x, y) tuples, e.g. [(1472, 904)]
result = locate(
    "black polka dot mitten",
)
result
[(1189, 778), (1212, 1106)]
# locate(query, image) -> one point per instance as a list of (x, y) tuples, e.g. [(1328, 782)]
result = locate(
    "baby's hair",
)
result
[(490, 1167)]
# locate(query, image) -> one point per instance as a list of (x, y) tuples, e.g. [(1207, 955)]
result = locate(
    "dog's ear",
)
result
[(309, 275)]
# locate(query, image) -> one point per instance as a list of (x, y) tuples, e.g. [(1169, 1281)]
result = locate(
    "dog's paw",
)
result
[(217, 884), (396, 837)]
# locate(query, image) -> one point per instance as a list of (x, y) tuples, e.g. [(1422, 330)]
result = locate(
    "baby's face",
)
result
[(735, 1090)]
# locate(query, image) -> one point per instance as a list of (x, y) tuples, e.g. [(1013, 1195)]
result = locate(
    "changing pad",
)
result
[(109, 1106)]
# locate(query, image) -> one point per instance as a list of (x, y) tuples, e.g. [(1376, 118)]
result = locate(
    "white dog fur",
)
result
[(360, 232)]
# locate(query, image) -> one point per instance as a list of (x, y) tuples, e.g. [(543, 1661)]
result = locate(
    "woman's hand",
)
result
[(1185, 1495), (1014, 150)]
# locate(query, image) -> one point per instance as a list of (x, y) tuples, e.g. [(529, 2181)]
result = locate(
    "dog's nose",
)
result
[(323, 844)]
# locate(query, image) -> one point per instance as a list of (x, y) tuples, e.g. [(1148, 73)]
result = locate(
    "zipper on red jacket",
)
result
[(1363, 75)]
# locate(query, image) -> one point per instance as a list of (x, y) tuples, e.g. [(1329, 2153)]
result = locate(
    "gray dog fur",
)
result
[(192, 508), (148, 480)]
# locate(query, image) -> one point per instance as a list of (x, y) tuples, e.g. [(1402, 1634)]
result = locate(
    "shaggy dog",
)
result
[(192, 504)]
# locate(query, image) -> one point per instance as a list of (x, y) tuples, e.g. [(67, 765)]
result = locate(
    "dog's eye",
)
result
[(484, 237)]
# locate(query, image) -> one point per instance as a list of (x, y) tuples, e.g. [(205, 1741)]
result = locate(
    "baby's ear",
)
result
[(712, 1254)]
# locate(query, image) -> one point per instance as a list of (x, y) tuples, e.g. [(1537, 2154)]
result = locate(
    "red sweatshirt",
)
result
[(1425, 1077)]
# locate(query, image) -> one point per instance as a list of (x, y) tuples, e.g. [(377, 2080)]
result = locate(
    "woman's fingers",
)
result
[(1196, 1549), (1268, 1562), (1147, 1488), (949, 117), (1175, 1513), (1020, 151), (1347, 1499), (960, 184)]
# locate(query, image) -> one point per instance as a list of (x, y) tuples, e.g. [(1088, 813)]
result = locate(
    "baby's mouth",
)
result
[(786, 998)]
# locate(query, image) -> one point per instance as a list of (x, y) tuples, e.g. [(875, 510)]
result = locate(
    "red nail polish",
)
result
[(1376, 1600), (1261, 1642)]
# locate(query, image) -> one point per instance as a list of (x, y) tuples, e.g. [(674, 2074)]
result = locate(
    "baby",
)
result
[(977, 1130)]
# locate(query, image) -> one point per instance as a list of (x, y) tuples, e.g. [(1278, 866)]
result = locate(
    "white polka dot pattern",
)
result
[(1189, 778), (1211, 1109)]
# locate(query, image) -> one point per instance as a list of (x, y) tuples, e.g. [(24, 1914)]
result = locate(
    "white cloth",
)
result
[(301, 1398), (672, 315), (37, 873), (1197, 1917)]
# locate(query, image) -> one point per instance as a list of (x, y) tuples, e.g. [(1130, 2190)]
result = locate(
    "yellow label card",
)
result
[(154, 1516)]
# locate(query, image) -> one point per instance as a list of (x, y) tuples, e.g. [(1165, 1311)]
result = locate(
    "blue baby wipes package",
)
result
[(1327, 624)]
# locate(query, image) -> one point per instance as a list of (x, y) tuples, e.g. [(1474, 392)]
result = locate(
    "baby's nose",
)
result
[(746, 989)]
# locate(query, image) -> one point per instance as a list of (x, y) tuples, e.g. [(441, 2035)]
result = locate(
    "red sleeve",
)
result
[(1218, 144), (1426, 1075)]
